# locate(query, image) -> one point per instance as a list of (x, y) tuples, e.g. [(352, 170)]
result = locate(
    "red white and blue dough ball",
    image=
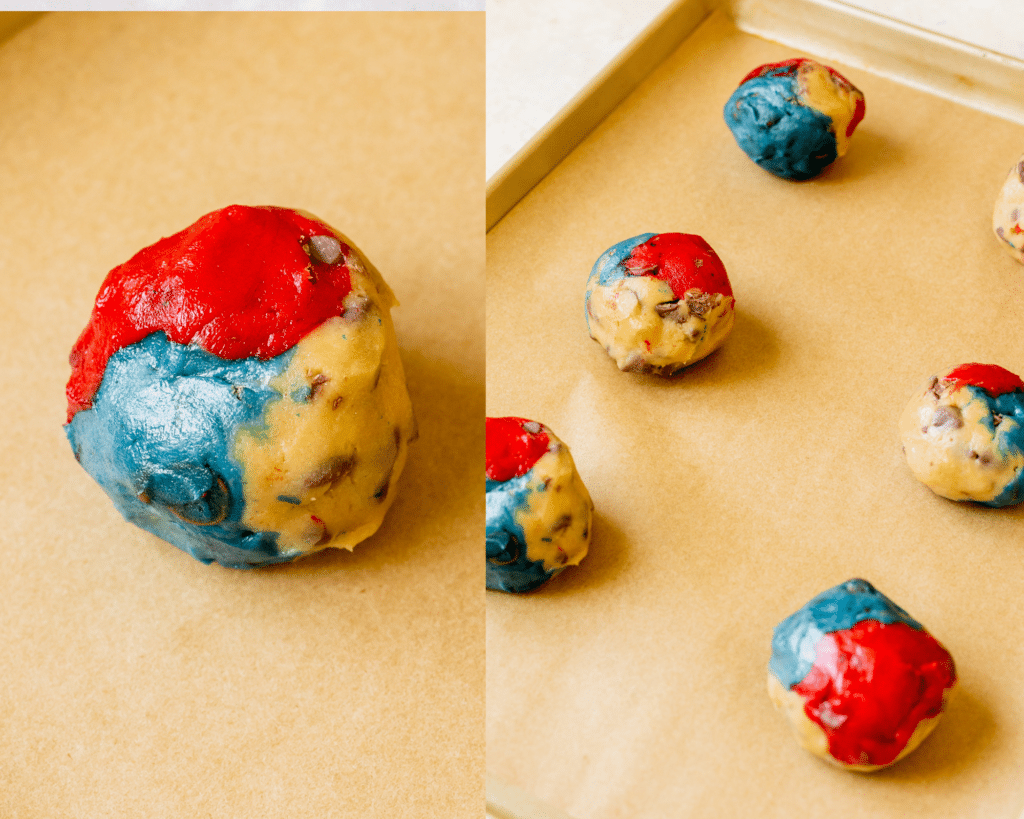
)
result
[(963, 435), (539, 513), (238, 390), (659, 302), (861, 682), (1008, 216), (794, 118)]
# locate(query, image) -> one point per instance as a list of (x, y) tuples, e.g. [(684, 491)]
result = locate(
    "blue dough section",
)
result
[(608, 268), (159, 440), (795, 641), (1009, 438), (777, 131), (508, 568)]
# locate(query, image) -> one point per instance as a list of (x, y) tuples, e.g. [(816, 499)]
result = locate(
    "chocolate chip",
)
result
[(1020, 171), (316, 386), (532, 427), (324, 249), (337, 402), (357, 308), (636, 364), (218, 502), (948, 417), (563, 522), (508, 555), (666, 307), (330, 471), (997, 419), (325, 538), (699, 303)]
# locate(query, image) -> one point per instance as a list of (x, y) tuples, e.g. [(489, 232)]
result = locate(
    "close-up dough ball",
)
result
[(238, 390)]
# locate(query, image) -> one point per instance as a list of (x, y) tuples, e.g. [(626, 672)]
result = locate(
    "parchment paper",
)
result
[(137, 682), (634, 685)]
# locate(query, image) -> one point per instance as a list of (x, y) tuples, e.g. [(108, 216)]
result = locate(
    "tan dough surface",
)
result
[(623, 318), (137, 681), (633, 686), (558, 519), (338, 436), (834, 99)]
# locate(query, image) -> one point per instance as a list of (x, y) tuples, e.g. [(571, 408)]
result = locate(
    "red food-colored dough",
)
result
[(237, 283), (990, 377), (870, 687), (682, 260), (512, 450)]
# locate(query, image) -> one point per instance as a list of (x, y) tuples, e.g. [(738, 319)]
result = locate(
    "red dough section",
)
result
[(989, 377), (870, 687), (784, 67), (237, 283), (788, 67), (512, 449), (682, 260)]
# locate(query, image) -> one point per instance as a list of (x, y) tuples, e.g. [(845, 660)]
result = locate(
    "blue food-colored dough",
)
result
[(779, 133), (609, 266), (162, 429), (508, 568), (1009, 438), (795, 641)]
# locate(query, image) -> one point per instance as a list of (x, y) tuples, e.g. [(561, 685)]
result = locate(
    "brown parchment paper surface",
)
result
[(136, 681), (634, 684)]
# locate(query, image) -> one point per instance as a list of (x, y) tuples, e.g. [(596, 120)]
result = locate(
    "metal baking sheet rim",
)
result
[(933, 63), (957, 71)]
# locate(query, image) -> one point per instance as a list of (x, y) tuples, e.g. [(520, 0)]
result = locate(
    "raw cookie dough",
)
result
[(794, 118), (963, 435), (861, 682), (238, 390), (1008, 216), (539, 513), (659, 302)]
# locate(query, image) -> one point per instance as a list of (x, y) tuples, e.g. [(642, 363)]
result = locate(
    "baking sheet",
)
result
[(137, 681), (634, 685)]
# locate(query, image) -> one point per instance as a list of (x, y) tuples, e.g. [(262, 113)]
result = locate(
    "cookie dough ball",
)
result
[(861, 682), (238, 390), (659, 302), (794, 118), (963, 435), (1008, 217), (539, 513)]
